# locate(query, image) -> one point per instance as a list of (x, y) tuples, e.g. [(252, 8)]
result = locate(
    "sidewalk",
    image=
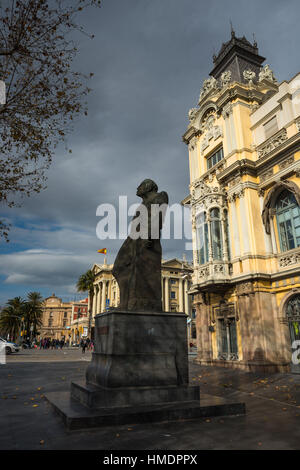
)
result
[(28, 422)]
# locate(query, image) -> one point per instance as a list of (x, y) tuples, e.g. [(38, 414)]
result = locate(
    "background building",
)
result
[(56, 318), (79, 320), (244, 159)]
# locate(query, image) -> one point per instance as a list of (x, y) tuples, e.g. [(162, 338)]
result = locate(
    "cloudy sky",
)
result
[(149, 58)]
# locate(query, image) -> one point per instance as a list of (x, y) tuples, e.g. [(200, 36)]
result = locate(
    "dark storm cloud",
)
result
[(149, 59)]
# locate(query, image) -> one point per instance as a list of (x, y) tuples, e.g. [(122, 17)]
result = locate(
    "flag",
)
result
[(103, 250)]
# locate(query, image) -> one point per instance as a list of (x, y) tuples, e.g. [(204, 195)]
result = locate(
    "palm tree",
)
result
[(11, 317), (33, 312), (86, 284)]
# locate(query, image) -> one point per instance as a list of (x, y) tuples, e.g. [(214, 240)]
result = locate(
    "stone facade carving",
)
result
[(227, 110), (212, 193), (266, 74), (219, 268), (210, 132), (272, 143), (192, 144), (288, 259), (236, 194), (234, 182), (244, 288), (203, 272), (286, 163), (266, 175), (297, 172), (249, 76), (225, 77), (208, 85), (192, 113)]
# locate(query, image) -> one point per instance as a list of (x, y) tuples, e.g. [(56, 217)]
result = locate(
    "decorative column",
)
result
[(224, 237), (94, 302), (109, 291), (98, 298), (103, 303), (167, 295), (204, 343), (210, 248), (234, 227), (163, 303), (186, 297), (181, 295)]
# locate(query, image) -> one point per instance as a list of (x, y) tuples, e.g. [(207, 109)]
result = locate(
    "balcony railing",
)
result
[(289, 258), (212, 273)]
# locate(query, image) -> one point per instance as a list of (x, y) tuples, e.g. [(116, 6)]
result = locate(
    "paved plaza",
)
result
[(27, 421)]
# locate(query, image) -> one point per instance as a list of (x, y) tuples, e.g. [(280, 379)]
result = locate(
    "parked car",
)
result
[(9, 346)]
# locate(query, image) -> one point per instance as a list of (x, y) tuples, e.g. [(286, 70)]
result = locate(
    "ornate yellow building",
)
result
[(244, 158), (56, 318)]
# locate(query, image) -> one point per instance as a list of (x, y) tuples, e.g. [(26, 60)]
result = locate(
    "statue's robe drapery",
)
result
[(137, 267)]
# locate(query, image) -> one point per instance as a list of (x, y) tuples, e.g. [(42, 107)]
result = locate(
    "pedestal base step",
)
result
[(77, 416), (97, 397)]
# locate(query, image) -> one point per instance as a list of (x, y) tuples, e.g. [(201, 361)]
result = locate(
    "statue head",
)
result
[(145, 187)]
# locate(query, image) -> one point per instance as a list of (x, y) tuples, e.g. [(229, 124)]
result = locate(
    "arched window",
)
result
[(202, 238), (288, 220), (216, 233)]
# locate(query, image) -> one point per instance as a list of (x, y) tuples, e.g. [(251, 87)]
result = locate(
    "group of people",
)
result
[(48, 343)]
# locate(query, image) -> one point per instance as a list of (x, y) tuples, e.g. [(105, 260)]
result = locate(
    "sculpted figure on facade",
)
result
[(249, 76), (208, 84), (192, 113), (225, 77), (137, 267), (267, 73)]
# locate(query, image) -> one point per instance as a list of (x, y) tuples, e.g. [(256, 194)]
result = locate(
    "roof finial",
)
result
[(232, 30), (254, 40), (214, 55)]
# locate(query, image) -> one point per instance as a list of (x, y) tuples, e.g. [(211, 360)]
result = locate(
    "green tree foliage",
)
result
[(86, 284), (22, 315)]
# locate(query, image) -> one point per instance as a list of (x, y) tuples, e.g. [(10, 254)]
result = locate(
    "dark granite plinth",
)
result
[(99, 397), (77, 416), (139, 349)]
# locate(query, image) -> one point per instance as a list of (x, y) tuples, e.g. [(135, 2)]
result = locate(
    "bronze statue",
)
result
[(137, 267)]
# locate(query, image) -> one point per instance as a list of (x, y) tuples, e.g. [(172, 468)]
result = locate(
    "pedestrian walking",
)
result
[(83, 345)]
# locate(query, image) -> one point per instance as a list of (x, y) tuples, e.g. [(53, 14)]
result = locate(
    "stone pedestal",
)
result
[(140, 358), (138, 373)]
